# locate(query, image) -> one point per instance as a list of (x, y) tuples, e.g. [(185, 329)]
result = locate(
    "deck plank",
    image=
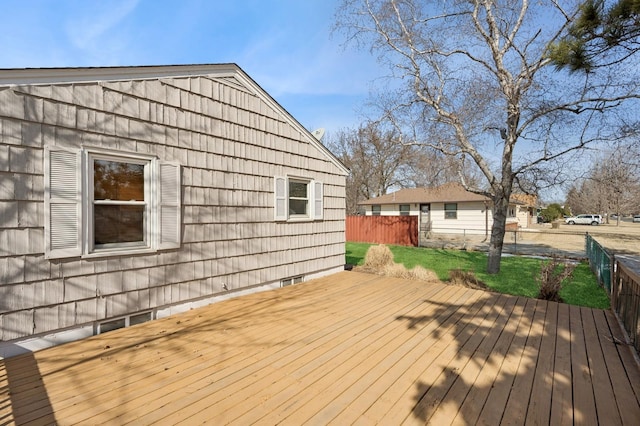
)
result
[(350, 348), (489, 375), (584, 406), (467, 379), (602, 389), (624, 395), (399, 380), (520, 394), (494, 406), (432, 389), (562, 393)]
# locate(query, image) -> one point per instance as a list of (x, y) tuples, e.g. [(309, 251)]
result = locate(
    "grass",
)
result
[(517, 274)]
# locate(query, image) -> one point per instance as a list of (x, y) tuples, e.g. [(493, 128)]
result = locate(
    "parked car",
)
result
[(584, 219), (636, 218)]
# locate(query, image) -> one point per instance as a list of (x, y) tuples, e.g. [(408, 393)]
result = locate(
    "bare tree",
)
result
[(428, 168), (376, 158), (611, 186), (475, 81)]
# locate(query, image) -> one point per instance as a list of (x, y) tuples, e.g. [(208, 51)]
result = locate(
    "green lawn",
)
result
[(516, 273)]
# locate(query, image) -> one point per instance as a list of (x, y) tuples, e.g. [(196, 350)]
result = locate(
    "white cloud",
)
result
[(318, 67), (95, 23)]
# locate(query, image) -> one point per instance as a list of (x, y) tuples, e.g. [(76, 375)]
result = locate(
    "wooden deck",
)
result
[(351, 348)]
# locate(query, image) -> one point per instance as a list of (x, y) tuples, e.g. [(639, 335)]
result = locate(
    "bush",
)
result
[(378, 257), (553, 212), (379, 260), (466, 279), (552, 276)]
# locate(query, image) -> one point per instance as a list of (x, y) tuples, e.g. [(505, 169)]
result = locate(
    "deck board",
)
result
[(350, 348)]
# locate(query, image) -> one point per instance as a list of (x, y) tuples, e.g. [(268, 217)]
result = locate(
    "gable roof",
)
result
[(529, 200), (447, 193), (230, 73)]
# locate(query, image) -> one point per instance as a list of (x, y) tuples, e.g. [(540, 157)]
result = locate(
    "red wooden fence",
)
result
[(400, 230)]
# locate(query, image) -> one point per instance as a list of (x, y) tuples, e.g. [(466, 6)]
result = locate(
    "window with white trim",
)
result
[(376, 209), (119, 211), (451, 210), (99, 202), (298, 199), (404, 209)]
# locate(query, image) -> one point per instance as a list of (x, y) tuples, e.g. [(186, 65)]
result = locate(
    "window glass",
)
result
[(118, 224), (298, 198), (404, 209), (139, 318), (112, 325), (375, 210), (451, 211), (114, 180), (119, 205)]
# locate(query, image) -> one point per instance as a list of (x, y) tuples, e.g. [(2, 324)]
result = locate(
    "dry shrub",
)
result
[(420, 273), (466, 279), (379, 260), (378, 257), (552, 276), (395, 270)]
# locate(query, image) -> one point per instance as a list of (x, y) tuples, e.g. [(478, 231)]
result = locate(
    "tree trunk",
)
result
[(500, 208)]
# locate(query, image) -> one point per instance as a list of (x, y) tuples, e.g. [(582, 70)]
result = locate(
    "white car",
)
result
[(584, 219), (636, 218)]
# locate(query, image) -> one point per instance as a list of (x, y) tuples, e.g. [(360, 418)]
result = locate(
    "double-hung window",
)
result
[(405, 209), (120, 204), (99, 202), (451, 211), (298, 199), (376, 210)]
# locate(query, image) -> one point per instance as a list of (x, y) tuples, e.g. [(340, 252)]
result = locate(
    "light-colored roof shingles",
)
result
[(447, 193)]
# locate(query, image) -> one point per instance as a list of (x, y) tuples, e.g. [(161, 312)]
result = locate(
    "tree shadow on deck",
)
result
[(173, 348), (21, 390), (505, 359)]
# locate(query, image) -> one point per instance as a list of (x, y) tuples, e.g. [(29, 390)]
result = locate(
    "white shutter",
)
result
[(280, 198), (318, 200), (63, 203), (169, 206)]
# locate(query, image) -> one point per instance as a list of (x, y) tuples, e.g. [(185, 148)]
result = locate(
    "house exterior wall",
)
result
[(230, 142), (522, 217), (471, 218), (392, 210)]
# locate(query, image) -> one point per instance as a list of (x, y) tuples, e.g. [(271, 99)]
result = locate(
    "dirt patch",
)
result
[(566, 241)]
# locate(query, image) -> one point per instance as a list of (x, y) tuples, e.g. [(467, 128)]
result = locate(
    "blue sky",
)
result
[(286, 46)]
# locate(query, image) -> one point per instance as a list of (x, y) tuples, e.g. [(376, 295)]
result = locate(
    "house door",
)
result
[(425, 219)]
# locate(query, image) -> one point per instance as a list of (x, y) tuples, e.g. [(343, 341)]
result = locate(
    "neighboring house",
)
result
[(130, 193), (446, 209)]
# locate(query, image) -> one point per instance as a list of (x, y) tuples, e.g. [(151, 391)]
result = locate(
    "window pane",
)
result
[(453, 206), (298, 206), (112, 325), (297, 189), (118, 224), (140, 318), (115, 180)]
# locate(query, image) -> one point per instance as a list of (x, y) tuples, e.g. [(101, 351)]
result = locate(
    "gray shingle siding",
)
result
[(230, 143)]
